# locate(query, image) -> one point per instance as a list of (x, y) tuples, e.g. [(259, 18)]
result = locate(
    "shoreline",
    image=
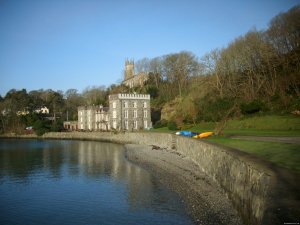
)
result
[(205, 201), (261, 193)]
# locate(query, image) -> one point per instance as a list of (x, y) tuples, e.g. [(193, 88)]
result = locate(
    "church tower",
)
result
[(129, 69)]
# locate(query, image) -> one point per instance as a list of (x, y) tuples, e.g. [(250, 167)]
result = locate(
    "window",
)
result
[(125, 104), (134, 113), (145, 104), (145, 124), (115, 124), (135, 124), (114, 105), (126, 124), (134, 104), (145, 113), (114, 114), (126, 114)]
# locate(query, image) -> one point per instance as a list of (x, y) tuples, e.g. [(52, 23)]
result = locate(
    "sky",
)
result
[(64, 44)]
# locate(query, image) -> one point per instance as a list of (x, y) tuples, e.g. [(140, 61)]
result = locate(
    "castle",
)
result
[(130, 79), (125, 112)]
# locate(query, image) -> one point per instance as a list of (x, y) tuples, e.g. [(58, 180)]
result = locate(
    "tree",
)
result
[(142, 66), (210, 63), (72, 101), (178, 69), (156, 71), (284, 31), (95, 95)]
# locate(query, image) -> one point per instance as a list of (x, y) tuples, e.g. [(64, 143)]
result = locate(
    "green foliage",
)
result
[(160, 123), (172, 125), (251, 107), (188, 119), (153, 91), (41, 127), (214, 109)]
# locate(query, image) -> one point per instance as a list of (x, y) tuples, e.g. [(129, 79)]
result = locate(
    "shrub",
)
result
[(160, 123), (214, 109), (40, 127), (172, 125), (251, 107)]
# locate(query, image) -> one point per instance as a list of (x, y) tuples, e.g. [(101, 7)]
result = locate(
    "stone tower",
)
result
[(129, 69)]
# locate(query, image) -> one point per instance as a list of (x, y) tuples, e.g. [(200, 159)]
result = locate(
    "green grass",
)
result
[(271, 125), (269, 122), (162, 129), (284, 155), (257, 132)]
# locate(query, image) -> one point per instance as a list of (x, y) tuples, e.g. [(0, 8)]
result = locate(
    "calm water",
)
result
[(79, 182)]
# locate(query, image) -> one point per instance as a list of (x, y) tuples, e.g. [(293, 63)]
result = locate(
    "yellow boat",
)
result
[(204, 135)]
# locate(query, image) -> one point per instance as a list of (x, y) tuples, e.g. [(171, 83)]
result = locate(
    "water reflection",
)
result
[(96, 171), (21, 158)]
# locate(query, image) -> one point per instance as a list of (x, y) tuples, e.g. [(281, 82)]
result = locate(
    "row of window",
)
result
[(135, 124), (98, 118), (98, 126), (126, 114), (134, 105)]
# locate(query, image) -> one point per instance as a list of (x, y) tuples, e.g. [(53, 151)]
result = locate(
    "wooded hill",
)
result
[(257, 72)]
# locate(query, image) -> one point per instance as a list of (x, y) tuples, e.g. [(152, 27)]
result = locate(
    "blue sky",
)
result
[(62, 44)]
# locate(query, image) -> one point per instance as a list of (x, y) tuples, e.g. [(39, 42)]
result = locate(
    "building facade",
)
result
[(93, 118), (130, 111), (130, 79), (125, 112), (71, 125)]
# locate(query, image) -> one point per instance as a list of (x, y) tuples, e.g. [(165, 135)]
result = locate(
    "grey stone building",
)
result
[(133, 80), (130, 111), (125, 112), (93, 118)]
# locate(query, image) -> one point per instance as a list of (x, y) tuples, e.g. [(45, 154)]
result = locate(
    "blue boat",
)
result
[(186, 133)]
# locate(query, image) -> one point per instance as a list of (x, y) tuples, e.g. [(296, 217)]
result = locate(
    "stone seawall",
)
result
[(251, 185), (246, 182)]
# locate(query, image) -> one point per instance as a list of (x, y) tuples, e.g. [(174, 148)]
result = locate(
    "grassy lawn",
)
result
[(272, 125), (284, 155), (257, 132)]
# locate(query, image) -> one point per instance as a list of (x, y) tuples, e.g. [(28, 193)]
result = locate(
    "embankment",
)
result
[(262, 193)]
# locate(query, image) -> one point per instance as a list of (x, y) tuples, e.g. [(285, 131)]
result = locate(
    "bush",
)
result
[(214, 109), (252, 107), (41, 131), (172, 125), (160, 123), (40, 127)]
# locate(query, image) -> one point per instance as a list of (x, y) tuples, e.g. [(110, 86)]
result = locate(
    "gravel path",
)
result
[(204, 199)]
